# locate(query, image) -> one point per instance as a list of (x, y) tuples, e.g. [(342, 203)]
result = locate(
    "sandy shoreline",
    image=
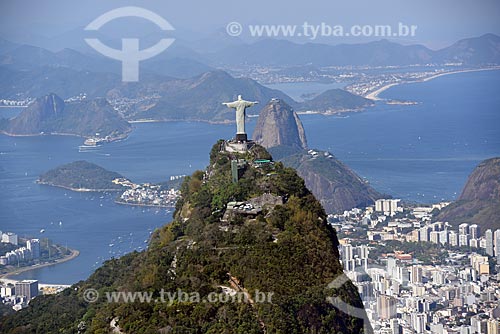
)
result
[(73, 255), (374, 95)]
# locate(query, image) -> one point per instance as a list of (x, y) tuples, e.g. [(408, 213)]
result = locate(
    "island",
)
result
[(334, 101), (82, 176), (85, 176)]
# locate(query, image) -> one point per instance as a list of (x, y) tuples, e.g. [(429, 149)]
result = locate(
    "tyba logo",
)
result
[(130, 55)]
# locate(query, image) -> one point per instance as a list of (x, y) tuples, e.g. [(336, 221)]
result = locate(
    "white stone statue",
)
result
[(240, 105)]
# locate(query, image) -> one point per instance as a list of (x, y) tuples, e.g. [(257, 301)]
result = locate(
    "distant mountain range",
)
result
[(479, 202), (183, 85), (180, 61), (201, 97), (28, 57), (197, 98), (471, 51), (51, 115)]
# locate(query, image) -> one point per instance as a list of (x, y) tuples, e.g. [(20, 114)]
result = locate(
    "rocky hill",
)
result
[(484, 49), (81, 176), (275, 240), (479, 202), (51, 115), (336, 186), (335, 100), (279, 125)]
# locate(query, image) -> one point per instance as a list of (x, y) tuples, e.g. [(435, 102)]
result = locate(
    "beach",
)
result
[(374, 95), (74, 254)]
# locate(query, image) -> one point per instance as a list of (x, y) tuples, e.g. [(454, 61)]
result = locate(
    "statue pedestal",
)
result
[(241, 137), (238, 146)]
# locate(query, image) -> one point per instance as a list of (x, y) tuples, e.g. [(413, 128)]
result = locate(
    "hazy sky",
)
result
[(440, 22)]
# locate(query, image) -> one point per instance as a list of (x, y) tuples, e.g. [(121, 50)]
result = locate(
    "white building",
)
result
[(9, 238), (475, 231), (34, 246), (388, 206), (488, 236), (453, 238), (497, 244)]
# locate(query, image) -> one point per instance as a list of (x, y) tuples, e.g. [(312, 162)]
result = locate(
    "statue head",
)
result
[(239, 98)]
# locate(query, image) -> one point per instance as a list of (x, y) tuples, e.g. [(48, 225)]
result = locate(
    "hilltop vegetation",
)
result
[(286, 249)]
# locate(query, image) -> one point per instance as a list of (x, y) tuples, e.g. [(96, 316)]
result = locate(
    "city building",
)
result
[(34, 247), (9, 238), (463, 229), (27, 288), (386, 307), (388, 206), (488, 236), (475, 231), (497, 244)]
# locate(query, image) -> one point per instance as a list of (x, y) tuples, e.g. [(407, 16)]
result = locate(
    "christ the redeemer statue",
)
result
[(240, 105)]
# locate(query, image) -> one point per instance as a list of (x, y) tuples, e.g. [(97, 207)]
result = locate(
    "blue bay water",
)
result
[(420, 153), (89, 223)]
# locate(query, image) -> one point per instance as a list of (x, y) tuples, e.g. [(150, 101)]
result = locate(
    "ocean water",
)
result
[(420, 153), (92, 222)]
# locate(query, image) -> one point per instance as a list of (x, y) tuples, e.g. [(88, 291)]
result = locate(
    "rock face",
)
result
[(277, 261), (279, 125), (51, 115), (336, 186), (479, 202)]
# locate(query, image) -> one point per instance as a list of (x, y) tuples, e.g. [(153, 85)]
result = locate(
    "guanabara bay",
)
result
[(249, 167), (247, 235)]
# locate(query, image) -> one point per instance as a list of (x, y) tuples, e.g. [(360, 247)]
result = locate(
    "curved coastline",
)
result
[(374, 95), (74, 254)]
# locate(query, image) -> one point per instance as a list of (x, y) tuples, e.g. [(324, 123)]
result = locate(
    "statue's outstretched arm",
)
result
[(230, 104)]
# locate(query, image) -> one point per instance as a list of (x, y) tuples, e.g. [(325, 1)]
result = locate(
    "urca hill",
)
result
[(245, 225), (334, 184)]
